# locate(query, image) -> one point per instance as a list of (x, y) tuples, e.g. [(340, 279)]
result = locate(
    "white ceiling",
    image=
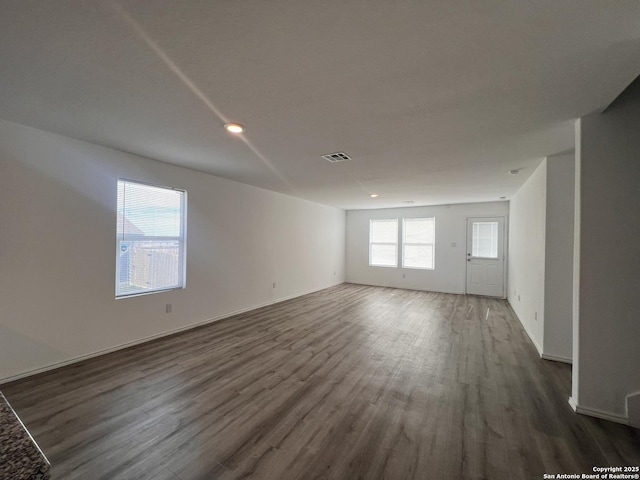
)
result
[(434, 100)]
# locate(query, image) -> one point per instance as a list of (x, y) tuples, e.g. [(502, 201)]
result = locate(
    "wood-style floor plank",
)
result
[(353, 382)]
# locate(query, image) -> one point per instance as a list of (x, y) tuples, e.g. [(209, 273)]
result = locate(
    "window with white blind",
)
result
[(151, 230), (383, 243), (418, 243), (484, 240)]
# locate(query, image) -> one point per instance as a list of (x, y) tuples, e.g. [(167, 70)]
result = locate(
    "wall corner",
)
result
[(633, 409)]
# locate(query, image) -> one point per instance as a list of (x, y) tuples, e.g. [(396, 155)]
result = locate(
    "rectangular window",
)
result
[(484, 240), (383, 243), (418, 239), (150, 238)]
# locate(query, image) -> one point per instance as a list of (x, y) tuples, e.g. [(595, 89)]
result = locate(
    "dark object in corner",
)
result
[(20, 456)]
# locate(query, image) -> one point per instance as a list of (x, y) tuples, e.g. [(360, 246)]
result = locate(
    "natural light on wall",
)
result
[(151, 247)]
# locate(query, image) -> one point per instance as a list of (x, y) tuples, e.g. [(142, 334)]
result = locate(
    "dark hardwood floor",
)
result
[(353, 382)]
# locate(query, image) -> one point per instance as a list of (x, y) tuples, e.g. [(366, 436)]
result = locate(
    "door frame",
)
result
[(505, 250)]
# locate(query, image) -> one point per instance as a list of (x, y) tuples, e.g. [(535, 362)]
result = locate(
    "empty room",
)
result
[(319, 240)]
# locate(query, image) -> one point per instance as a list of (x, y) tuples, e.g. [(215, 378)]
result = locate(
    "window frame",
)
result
[(182, 242), (371, 243), (419, 244)]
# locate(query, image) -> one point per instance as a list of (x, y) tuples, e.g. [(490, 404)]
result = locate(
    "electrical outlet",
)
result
[(518, 297), (334, 273), (169, 308), (535, 316), (454, 244), (274, 284), (403, 275)]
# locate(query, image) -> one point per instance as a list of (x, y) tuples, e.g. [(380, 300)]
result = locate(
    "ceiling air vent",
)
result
[(336, 157)]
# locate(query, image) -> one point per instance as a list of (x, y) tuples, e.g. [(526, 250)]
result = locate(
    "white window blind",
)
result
[(383, 243), (151, 227), (484, 242), (418, 243)]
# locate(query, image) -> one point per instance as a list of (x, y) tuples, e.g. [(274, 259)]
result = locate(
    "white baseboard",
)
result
[(140, 341), (556, 358), (533, 340), (594, 412), (405, 288), (434, 290)]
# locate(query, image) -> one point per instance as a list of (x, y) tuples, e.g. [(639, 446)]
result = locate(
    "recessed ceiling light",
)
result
[(515, 171), (408, 201), (234, 127), (373, 195)]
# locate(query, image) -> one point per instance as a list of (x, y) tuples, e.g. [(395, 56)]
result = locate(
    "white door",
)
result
[(485, 256)]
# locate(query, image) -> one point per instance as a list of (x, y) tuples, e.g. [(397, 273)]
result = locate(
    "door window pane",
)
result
[(485, 240)]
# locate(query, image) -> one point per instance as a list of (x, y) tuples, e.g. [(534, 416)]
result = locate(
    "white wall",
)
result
[(541, 256), (57, 250), (450, 250), (558, 272), (527, 231), (608, 351)]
